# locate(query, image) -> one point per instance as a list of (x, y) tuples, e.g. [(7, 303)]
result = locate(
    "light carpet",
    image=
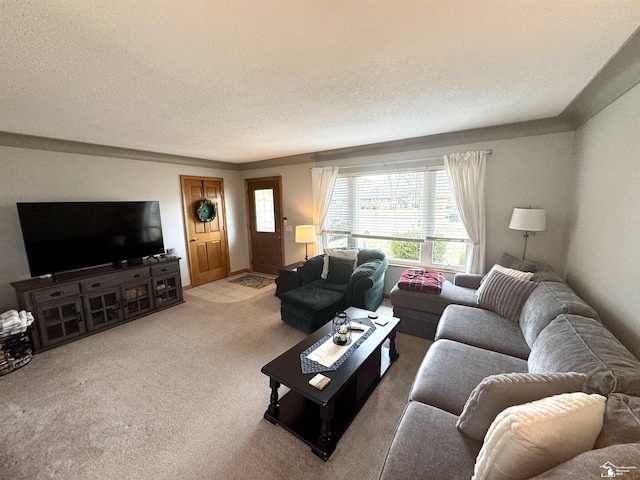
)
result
[(179, 395)]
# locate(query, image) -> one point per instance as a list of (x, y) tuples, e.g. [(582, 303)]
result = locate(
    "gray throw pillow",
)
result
[(505, 295), (498, 392), (509, 261)]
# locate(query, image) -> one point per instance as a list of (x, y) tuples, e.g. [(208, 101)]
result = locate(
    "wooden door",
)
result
[(264, 218), (206, 241)]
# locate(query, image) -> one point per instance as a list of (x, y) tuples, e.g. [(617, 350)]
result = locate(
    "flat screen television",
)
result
[(63, 236)]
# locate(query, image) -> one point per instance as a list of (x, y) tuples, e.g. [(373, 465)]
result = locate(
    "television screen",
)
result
[(61, 236)]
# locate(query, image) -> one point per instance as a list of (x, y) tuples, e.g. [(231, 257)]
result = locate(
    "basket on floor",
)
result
[(15, 352)]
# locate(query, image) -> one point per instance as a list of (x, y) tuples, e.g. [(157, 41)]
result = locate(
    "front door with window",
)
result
[(264, 217)]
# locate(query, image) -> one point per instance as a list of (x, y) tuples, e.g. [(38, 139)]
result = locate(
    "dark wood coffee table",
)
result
[(320, 417)]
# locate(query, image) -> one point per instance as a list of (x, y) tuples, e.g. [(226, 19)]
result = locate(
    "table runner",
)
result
[(339, 353)]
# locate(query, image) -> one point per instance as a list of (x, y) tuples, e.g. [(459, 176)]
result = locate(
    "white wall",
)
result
[(603, 232), (33, 175)]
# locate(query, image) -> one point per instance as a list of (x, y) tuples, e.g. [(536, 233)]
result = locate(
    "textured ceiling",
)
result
[(240, 81)]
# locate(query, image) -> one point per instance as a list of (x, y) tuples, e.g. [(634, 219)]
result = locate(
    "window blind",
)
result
[(408, 205)]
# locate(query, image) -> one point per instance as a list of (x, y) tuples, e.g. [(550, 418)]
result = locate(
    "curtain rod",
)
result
[(397, 162)]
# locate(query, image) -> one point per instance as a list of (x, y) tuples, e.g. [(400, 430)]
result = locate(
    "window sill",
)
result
[(396, 263)]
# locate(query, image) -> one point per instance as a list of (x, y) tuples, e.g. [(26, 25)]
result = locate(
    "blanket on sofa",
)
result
[(420, 280)]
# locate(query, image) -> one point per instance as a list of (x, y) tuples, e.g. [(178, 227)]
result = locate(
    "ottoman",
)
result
[(420, 312), (308, 308)]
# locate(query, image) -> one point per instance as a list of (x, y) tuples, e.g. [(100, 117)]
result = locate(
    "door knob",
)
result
[(193, 239)]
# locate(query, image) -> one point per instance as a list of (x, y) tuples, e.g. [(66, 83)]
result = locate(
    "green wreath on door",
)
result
[(206, 210)]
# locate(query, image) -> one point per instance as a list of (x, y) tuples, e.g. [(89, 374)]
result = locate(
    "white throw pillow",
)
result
[(529, 439), (351, 253), (496, 393), (507, 271)]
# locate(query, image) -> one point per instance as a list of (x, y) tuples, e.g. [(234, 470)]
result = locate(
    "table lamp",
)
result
[(306, 234)]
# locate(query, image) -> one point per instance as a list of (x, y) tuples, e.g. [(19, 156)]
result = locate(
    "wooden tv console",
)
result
[(72, 305)]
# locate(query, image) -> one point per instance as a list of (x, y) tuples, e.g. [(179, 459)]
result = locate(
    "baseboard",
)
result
[(244, 270)]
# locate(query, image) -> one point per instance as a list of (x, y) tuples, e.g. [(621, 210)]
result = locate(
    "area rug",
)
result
[(253, 281)]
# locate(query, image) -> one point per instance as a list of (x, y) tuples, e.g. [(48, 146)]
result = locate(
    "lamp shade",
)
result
[(529, 219), (306, 234)]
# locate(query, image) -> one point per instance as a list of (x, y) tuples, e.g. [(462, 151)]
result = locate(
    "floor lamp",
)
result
[(528, 220), (306, 234)]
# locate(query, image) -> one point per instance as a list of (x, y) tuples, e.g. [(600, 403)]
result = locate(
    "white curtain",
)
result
[(467, 173), (323, 180)]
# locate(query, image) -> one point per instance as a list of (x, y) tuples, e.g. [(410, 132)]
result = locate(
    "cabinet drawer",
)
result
[(53, 293), (113, 280), (165, 269)]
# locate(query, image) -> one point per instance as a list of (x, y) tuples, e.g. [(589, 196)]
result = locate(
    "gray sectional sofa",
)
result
[(558, 341)]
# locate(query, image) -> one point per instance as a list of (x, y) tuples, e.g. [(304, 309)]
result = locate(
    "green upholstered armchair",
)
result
[(366, 285)]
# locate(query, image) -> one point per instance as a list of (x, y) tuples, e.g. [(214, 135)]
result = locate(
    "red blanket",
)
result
[(420, 280)]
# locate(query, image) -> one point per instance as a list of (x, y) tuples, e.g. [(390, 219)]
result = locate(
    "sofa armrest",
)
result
[(467, 280), (311, 270), (367, 284)]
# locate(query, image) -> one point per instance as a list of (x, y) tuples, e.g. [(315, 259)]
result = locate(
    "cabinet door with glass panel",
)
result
[(137, 299), (59, 320), (168, 290), (103, 309)]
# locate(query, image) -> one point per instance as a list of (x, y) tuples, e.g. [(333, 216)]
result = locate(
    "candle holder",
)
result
[(340, 329)]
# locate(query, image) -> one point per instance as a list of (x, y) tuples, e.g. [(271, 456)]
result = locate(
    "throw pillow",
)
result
[(340, 270), (498, 392), (507, 271), (351, 253), (621, 421), (505, 295), (509, 261), (526, 440)]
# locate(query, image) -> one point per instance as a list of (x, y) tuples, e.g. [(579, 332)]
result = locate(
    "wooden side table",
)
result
[(288, 278)]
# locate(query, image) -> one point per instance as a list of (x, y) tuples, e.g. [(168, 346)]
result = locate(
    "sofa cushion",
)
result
[(351, 253), (327, 285), (482, 328), (311, 269), (509, 261), (498, 392), (544, 273), (504, 294), (592, 464), (427, 445), (433, 302), (468, 280), (340, 270), (527, 440), (621, 421), (578, 344), (545, 303), (451, 370)]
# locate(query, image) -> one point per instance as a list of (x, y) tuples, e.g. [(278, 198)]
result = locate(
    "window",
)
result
[(265, 212), (410, 215)]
